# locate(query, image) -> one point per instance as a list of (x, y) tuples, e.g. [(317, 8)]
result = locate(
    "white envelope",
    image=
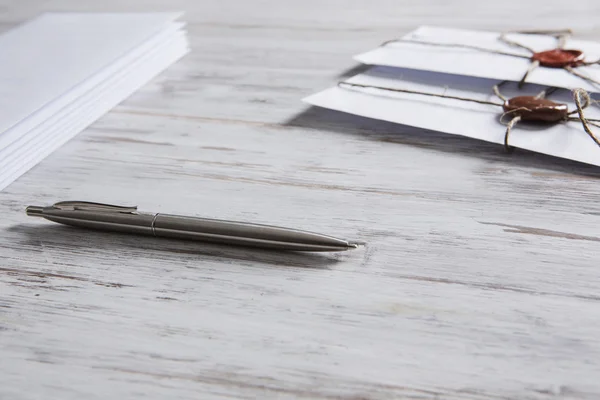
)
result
[(470, 62), (49, 55), (479, 121), (62, 71), (136, 69)]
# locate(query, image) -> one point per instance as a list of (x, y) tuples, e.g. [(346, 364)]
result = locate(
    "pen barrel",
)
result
[(219, 231)]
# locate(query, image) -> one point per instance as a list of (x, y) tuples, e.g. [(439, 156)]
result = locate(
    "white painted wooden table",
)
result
[(480, 279)]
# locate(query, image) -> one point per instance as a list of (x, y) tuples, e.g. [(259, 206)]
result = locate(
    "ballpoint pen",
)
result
[(128, 219)]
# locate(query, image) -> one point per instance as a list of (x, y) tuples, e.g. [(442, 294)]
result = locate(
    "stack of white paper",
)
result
[(466, 72), (62, 71)]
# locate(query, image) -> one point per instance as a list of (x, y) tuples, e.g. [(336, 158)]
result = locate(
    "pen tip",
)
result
[(34, 210)]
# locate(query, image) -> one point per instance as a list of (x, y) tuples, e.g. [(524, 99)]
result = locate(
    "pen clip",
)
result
[(88, 206)]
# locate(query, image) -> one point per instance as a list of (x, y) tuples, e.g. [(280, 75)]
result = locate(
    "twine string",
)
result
[(445, 96), (496, 89), (583, 100), (456, 45), (540, 95), (532, 67), (509, 42), (562, 41), (547, 32), (582, 75), (561, 35), (509, 127), (501, 119), (591, 62), (547, 92), (590, 121)]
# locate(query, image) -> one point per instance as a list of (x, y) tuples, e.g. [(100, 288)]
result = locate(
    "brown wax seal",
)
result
[(530, 108), (559, 58)]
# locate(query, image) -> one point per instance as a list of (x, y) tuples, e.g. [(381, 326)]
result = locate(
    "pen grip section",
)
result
[(229, 231)]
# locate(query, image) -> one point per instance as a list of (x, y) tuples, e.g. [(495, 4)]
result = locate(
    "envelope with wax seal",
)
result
[(545, 58), (468, 106)]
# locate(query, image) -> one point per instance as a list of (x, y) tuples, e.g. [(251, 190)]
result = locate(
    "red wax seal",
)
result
[(530, 108), (559, 58)]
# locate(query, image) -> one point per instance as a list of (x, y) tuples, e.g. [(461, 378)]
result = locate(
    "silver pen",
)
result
[(128, 219)]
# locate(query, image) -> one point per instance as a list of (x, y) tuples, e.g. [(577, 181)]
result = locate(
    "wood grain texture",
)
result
[(480, 278)]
